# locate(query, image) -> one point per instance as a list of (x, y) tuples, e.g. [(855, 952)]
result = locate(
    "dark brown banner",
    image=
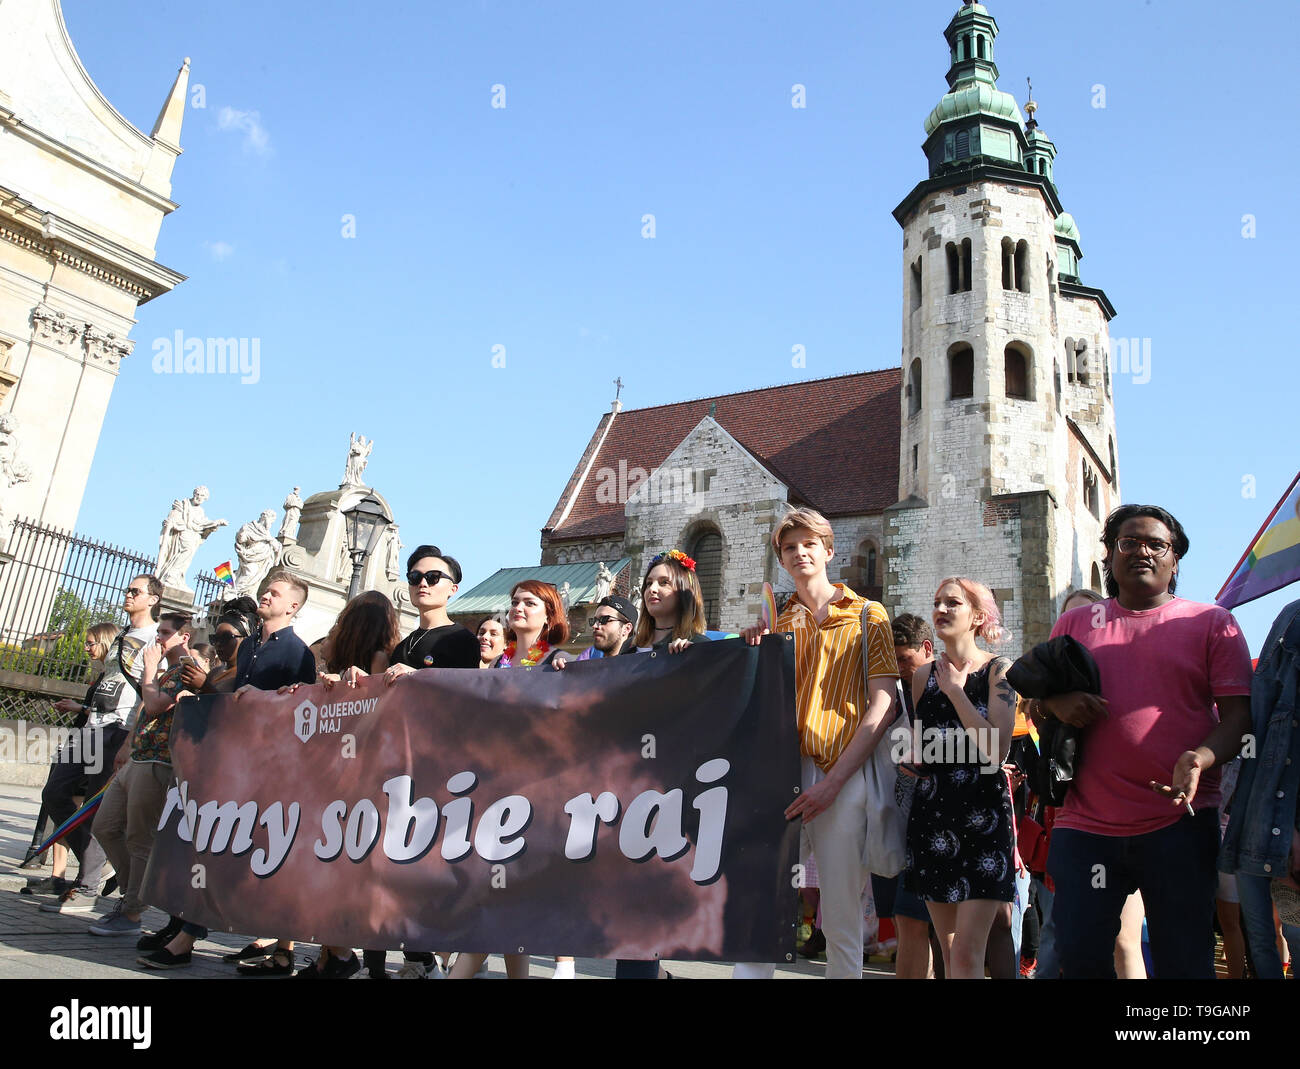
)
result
[(628, 807)]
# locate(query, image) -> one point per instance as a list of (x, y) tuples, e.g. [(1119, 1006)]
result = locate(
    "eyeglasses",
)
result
[(433, 577), (224, 638), (604, 621), (133, 592), (1129, 546)]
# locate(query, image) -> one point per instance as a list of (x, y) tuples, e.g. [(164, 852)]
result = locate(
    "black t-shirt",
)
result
[(449, 646)]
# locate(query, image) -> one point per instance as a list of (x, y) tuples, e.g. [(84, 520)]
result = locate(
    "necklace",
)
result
[(536, 652)]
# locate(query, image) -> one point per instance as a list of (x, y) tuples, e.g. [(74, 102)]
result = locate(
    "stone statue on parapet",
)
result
[(292, 511), (358, 457), (258, 553), (604, 582), (393, 559), (183, 531)]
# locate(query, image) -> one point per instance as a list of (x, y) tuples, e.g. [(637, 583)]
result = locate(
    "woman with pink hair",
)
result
[(960, 836)]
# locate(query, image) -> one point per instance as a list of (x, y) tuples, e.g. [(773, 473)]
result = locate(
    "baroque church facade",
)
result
[(83, 194), (990, 451)]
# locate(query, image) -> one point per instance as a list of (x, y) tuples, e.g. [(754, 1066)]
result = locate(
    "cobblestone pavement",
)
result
[(37, 945)]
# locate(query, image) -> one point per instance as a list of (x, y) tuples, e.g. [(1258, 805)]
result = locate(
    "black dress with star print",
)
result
[(960, 835)]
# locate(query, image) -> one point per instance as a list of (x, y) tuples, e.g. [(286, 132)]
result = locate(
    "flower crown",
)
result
[(677, 555)]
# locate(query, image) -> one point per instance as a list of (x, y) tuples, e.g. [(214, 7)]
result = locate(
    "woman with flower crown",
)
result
[(672, 619), (674, 606), (538, 628)]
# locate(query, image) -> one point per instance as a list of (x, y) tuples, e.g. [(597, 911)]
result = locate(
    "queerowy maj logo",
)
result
[(304, 721)]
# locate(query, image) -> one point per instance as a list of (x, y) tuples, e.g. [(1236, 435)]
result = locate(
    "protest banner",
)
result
[(629, 807)]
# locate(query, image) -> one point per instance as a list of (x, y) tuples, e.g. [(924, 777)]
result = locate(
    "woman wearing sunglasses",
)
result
[(237, 621)]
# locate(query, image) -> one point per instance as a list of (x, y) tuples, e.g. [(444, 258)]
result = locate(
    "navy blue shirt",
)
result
[(276, 661)]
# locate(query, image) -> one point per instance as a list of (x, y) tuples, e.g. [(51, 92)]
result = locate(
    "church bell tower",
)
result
[(1007, 459)]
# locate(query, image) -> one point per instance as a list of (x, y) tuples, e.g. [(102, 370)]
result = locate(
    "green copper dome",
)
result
[(978, 98), (1066, 228)]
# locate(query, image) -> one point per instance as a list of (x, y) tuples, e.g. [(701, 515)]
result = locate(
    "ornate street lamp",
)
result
[(366, 521)]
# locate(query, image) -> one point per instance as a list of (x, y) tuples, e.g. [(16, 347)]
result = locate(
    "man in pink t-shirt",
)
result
[(1152, 742)]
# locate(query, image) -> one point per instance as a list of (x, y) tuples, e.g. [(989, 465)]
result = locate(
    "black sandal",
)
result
[(279, 963), (252, 952)]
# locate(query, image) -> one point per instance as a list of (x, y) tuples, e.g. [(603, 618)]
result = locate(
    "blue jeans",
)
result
[(1049, 962), (1174, 868), (1257, 920)]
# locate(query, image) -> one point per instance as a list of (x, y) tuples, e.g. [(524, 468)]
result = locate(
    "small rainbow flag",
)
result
[(223, 572), (1273, 559)]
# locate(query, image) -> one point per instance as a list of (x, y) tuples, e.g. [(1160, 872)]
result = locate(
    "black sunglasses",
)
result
[(433, 577), (221, 638)]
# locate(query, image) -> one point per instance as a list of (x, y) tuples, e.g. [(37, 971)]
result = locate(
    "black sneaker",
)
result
[(334, 969), (46, 885), (110, 886), (159, 939), (162, 958)]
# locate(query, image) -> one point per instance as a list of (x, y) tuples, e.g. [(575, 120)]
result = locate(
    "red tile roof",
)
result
[(833, 441)]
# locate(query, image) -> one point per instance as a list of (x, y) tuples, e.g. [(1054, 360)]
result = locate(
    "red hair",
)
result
[(556, 631)]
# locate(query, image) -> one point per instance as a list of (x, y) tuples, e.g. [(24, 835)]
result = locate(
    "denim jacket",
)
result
[(1264, 808)]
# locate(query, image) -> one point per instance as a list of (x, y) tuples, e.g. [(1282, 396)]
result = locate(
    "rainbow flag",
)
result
[(223, 572), (1273, 559)]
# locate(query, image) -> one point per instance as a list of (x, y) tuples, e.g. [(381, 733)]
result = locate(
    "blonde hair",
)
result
[(100, 637), (981, 600), (283, 575), (813, 520)]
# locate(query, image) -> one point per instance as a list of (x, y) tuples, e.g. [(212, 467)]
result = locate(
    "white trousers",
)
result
[(837, 838)]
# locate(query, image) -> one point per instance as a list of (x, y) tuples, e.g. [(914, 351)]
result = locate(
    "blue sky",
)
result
[(521, 227)]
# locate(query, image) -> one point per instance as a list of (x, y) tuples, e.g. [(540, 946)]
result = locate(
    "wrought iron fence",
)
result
[(208, 589), (54, 584)]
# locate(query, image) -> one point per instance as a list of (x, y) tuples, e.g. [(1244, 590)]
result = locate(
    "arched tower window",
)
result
[(1105, 374), (1022, 266), (1096, 579), (1081, 361), (961, 372), (1089, 487), (1056, 383), (1114, 475), (707, 551), (1016, 372), (954, 267), (914, 388), (863, 573), (1069, 359), (916, 284), (965, 264), (1008, 263)]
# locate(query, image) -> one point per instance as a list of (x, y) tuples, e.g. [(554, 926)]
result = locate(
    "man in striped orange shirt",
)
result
[(843, 711)]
